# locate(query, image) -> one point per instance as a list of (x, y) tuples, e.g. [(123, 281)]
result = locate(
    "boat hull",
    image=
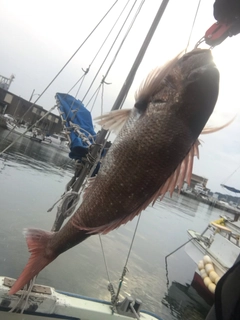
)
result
[(47, 302)]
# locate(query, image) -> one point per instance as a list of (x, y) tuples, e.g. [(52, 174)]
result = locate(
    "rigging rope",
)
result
[(102, 95), (81, 78), (116, 54), (125, 21), (126, 34), (69, 60), (224, 181), (95, 94), (94, 58)]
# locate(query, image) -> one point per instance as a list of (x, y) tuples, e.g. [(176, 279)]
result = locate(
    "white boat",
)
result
[(220, 242), (56, 140), (7, 121), (45, 302), (20, 129), (36, 135)]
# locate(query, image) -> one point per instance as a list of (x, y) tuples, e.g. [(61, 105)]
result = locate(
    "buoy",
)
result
[(209, 268), (212, 287), (217, 279), (207, 259), (208, 273), (203, 273), (200, 265), (207, 281), (213, 275)]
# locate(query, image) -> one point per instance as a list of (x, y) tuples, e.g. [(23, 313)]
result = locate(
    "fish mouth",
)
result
[(197, 62), (199, 72)]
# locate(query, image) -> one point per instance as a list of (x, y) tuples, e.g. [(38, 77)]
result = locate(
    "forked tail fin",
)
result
[(37, 241)]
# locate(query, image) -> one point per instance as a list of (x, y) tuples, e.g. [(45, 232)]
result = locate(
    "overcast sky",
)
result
[(38, 37)]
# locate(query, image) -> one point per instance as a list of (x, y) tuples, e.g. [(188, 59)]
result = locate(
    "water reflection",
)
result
[(39, 156), (184, 303)]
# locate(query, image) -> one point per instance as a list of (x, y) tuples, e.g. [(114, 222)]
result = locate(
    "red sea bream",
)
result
[(152, 154)]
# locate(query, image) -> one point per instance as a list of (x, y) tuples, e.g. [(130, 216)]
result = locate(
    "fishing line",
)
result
[(193, 24)]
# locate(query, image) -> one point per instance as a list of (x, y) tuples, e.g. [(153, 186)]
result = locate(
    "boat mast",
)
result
[(117, 104)]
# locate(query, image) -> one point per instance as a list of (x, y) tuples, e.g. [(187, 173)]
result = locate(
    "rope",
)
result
[(81, 78), (102, 95), (100, 48), (95, 94), (104, 259), (224, 181), (126, 34), (125, 266), (104, 60), (68, 61), (166, 264), (114, 59), (110, 32), (194, 20)]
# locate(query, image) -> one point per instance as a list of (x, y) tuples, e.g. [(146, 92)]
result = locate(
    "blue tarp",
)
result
[(74, 111)]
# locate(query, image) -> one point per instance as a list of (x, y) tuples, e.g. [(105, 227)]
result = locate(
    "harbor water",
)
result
[(33, 176)]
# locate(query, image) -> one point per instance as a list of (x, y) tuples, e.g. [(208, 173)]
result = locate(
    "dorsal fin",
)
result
[(152, 84)]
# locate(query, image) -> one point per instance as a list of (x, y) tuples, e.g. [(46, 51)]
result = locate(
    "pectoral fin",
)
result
[(114, 120), (208, 129)]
